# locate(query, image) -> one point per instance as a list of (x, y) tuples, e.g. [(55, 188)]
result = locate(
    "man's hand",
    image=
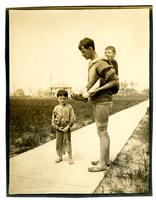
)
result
[(86, 94), (78, 97), (93, 92)]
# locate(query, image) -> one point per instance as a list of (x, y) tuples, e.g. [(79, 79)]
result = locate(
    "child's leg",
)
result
[(59, 144), (70, 157), (69, 148)]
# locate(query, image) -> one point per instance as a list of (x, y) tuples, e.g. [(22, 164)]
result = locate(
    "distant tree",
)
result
[(123, 87), (39, 93), (30, 92), (132, 84), (145, 92), (131, 92)]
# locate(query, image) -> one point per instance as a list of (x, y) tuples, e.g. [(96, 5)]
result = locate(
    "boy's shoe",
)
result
[(79, 97), (71, 162), (58, 160)]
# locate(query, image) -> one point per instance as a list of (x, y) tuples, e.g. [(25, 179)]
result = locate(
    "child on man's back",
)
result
[(110, 53)]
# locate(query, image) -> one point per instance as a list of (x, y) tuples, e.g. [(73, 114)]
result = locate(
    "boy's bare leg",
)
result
[(70, 158)]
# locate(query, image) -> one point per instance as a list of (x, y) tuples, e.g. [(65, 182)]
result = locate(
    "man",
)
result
[(101, 98)]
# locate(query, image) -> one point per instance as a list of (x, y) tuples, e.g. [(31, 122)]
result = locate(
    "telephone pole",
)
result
[(51, 89)]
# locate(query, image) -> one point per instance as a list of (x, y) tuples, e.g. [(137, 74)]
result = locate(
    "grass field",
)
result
[(30, 120)]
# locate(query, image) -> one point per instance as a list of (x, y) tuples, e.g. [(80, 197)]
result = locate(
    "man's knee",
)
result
[(102, 129)]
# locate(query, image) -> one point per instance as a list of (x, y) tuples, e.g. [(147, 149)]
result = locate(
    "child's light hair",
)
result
[(112, 48)]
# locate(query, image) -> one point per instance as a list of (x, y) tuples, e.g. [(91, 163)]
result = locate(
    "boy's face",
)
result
[(86, 53), (62, 100), (109, 54)]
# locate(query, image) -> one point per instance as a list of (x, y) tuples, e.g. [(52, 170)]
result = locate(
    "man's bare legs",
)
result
[(104, 147), (101, 116)]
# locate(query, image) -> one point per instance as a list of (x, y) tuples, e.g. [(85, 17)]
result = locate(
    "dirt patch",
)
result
[(129, 173)]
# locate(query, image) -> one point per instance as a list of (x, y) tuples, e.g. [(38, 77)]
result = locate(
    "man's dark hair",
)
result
[(86, 43), (62, 93)]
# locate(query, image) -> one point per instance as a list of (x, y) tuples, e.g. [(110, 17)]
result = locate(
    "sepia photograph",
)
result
[(79, 101)]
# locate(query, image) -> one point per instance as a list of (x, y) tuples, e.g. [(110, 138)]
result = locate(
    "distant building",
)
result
[(52, 92), (19, 93)]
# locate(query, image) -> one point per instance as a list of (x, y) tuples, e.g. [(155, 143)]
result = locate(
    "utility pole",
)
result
[(51, 89), (30, 92)]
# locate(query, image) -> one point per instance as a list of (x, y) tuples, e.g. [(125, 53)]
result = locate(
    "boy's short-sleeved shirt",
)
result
[(63, 115)]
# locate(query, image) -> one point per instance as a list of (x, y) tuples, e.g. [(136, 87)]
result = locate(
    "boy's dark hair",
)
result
[(112, 48), (62, 93), (86, 43)]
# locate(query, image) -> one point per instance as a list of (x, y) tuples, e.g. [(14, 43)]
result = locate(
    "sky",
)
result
[(44, 45)]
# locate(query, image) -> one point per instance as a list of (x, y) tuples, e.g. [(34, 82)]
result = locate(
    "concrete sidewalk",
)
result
[(35, 171)]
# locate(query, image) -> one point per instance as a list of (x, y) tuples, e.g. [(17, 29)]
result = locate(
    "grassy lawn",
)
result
[(30, 120), (129, 173)]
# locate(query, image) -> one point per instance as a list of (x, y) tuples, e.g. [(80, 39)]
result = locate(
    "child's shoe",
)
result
[(58, 160), (71, 161)]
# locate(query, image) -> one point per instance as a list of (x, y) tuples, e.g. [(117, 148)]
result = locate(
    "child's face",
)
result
[(109, 54), (62, 100)]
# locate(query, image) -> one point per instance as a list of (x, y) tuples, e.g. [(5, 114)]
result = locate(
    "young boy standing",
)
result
[(63, 118)]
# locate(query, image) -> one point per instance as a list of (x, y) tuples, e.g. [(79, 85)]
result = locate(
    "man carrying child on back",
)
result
[(102, 72)]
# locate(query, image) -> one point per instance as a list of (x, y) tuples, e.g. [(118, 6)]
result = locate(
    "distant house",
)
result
[(19, 93), (52, 92)]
